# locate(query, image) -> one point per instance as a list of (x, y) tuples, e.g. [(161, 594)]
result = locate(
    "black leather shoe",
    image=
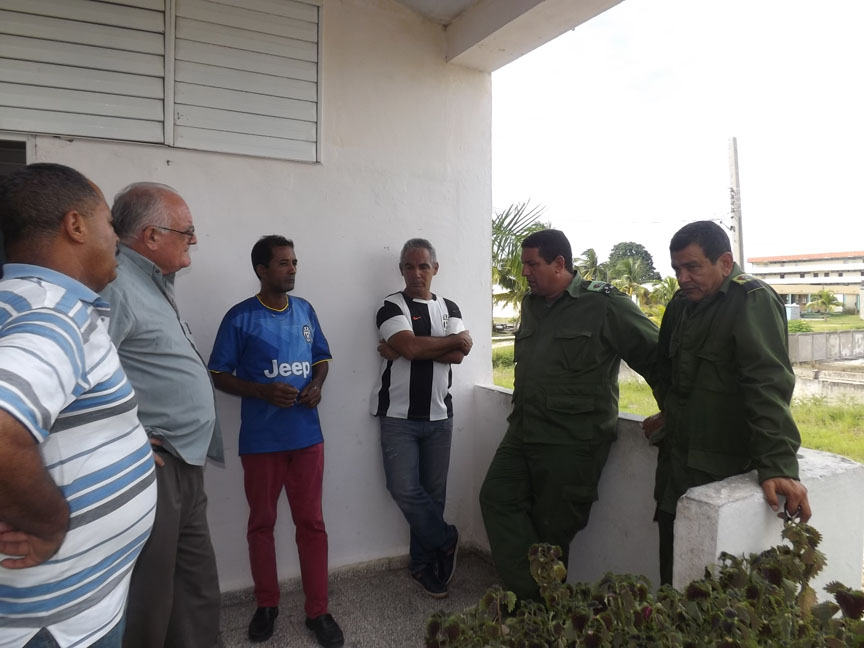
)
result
[(327, 631), (261, 626)]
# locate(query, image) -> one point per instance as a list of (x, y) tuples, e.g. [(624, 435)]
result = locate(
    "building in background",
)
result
[(798, 276)]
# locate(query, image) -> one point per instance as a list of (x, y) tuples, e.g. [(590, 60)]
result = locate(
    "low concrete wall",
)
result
[(835, 386), (833, 345), (726, 516), (732, 516), (621, 535)]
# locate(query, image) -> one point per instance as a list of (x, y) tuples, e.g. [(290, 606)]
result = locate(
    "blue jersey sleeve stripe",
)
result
[(225, 352)]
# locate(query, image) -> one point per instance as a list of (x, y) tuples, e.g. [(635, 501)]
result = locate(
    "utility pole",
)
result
[(735, 203)]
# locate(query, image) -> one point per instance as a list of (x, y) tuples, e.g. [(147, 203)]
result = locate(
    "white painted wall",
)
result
[(406, 152)]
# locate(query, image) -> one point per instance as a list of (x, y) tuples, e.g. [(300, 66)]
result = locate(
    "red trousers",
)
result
[(300, 473)]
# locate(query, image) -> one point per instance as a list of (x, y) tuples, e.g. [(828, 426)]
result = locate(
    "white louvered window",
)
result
[(78, 67), (235, 76)]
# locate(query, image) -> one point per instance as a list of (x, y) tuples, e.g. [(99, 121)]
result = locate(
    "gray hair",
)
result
[(139, 206), (415, 244)]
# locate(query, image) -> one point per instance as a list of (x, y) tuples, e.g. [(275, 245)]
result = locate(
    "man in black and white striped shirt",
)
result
[(421, 336)]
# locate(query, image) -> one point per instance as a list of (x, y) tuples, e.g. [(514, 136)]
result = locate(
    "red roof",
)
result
[(807, 257)]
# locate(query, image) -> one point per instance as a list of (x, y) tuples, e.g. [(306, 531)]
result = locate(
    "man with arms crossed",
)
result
[(569, 345), (270, 350), (421, 336), (724, 383), (77, 485), (174, 598)]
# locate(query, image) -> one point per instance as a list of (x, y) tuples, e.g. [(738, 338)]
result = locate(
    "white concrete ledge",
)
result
[(732, 516)]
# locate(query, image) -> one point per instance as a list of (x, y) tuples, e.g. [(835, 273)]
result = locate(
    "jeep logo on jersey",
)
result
[(307, 333), (288, 369)]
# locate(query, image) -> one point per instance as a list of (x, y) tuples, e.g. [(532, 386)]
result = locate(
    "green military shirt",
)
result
[(725, 384), (567, 358)]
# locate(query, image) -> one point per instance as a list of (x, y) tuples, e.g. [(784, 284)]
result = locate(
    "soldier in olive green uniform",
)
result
[(573, 335), (725, 383)]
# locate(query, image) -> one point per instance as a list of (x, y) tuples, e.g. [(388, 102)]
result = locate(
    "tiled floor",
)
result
[(382, 609)]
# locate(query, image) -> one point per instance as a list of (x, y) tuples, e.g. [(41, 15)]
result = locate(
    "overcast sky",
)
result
[(621, 127)]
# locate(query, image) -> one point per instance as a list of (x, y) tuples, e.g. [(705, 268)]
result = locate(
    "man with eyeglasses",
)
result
[(174, 597)]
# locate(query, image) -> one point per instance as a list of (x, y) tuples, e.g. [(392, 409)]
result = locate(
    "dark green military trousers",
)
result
[(537, 492)]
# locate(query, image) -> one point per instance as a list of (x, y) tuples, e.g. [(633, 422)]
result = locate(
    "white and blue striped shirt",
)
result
[(61, 378)]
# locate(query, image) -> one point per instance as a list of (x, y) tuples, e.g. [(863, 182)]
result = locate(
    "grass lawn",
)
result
[(837, 427), (835, 322)]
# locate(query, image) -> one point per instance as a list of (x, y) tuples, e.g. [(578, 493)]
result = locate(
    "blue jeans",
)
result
[(416, 462), (113, 639)]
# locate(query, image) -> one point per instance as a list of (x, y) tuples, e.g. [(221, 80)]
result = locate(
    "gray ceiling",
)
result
[(440, 11)]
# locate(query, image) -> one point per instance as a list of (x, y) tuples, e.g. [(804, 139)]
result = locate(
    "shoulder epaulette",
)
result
[(748, 282), (600, 287)]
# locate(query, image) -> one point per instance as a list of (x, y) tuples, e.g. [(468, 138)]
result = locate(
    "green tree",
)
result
[(509, 227), (663, 290), (630, 249), (628, 272), (823, 302), (589, 265)]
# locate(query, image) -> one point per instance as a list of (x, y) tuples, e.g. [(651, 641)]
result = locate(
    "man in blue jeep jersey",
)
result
[(270, 351)]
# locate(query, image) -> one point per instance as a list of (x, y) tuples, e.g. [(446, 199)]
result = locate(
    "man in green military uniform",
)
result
[(725, 383), (573, 335)]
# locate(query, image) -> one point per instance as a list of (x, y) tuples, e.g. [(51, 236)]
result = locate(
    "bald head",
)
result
[(141, 205), (155, 221)]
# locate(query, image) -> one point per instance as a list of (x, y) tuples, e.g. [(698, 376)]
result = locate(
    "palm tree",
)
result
[(823, 301), (589, 265), (655, 312), (509, 227), (663, 290), (627, 274)]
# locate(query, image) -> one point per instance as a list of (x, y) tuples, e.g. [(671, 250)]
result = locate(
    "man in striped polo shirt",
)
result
[(421, 336), (77, 485)]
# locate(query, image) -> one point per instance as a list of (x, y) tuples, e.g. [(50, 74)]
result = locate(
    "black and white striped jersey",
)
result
[(415, 389)]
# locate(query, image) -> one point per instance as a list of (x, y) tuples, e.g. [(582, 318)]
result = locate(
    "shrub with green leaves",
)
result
[(800, 326), (763, 600), (503, 356)]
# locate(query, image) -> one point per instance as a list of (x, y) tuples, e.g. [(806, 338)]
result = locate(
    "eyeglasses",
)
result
[(190, 232)]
